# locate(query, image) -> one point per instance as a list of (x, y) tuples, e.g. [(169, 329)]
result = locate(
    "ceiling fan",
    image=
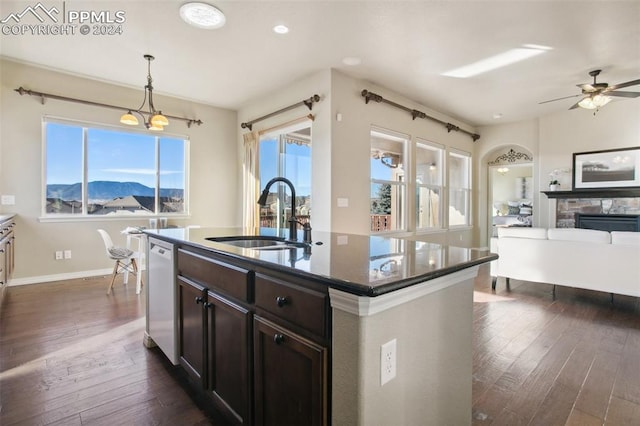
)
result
[(596, 95)]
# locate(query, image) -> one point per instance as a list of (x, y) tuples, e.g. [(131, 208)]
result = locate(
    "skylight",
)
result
[(498, 61), (202, 15)]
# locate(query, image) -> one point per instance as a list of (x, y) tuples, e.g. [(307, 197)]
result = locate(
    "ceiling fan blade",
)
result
[(624, 94), (574, 106), (621, 85), (558, 99)]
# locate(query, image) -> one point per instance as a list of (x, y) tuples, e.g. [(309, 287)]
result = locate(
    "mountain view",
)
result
[(107, 190)]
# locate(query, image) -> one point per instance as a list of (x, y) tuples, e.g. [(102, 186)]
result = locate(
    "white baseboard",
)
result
[(59, 277)]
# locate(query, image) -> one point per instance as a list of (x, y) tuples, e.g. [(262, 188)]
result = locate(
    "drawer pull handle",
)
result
[(278, 339), (199, 300), (281, 301)]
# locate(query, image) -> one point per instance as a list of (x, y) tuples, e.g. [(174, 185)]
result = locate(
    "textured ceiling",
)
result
[(403, 45)]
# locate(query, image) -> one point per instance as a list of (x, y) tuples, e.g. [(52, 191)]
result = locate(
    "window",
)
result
[(93, 171), (286, 153), (459, 189), (388, 186), (429, 173)]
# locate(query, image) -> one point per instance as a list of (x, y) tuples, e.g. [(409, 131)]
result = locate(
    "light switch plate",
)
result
[(343, 202), (8, 200)]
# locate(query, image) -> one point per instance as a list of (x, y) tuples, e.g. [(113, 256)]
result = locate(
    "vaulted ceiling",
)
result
[(403, 45)]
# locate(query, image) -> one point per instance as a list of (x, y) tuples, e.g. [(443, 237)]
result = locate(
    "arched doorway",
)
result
[(510, 201)]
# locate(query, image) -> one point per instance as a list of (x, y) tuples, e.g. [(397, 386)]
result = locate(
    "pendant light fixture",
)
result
[(154, 120)]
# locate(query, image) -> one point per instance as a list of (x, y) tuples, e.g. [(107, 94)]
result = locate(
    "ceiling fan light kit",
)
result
[(594, 102)]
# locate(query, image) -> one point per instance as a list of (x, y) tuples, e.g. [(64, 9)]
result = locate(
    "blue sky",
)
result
[(298, 165), (130, 157), (112, 156)]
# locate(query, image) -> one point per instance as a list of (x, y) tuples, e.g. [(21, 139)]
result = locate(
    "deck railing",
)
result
[(380, 222)]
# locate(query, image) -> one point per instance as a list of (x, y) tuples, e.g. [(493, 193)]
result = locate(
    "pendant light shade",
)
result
[(159, 120), (129, 119)]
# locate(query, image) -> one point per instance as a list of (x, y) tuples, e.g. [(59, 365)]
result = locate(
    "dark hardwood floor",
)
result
[(572, 360), (71, 355)]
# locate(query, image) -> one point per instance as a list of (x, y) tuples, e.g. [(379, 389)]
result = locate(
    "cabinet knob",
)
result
[(199, 299), (281, 301), (278, 338), (208, 305)]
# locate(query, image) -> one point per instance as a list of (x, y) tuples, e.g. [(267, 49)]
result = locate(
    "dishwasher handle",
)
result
[(162, 252)]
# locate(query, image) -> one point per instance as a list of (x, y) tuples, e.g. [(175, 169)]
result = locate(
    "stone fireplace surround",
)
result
[(625, 201)]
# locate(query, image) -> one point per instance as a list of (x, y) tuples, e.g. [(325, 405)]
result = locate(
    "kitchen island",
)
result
[(295, 333)]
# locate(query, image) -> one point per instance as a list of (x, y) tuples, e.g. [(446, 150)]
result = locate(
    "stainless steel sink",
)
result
[(259, 242)]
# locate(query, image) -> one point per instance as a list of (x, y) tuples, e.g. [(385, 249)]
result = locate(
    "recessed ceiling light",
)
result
[(498, 61), (497, 115), (202, 15), (351, 61), (280, 29)]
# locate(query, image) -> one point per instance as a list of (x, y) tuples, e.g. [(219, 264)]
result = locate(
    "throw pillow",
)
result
[(514, 210)]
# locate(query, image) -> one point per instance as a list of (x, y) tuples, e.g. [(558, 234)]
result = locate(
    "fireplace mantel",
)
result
[(595, 193)]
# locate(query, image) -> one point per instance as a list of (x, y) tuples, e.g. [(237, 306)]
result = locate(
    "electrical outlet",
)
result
[(67, 254), (387, 361), (59, 255)]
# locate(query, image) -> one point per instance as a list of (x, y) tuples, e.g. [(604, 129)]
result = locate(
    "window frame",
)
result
[(442, 174), (278, 133), (84, 216), (466, 190), (403, 185)]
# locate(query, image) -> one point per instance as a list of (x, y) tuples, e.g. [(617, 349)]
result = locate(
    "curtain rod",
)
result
[(369, 96), (44, 96), (288, 123), (306, 102)]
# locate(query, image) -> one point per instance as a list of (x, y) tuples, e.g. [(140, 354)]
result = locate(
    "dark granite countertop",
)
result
[(6, 216), (358, 264)]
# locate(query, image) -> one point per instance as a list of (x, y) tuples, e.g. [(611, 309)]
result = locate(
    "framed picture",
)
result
[(612, 168)]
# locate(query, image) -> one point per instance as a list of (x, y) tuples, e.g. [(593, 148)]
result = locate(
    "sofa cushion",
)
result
[(625, 237), (577, 234), (535, 233)]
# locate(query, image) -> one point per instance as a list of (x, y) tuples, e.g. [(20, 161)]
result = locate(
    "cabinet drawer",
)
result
[(298, 305), (223, 277)]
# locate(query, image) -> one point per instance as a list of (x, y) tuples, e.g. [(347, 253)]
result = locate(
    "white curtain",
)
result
[(250, 182)]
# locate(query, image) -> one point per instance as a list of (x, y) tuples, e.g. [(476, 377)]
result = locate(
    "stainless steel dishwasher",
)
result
[(161, 298)]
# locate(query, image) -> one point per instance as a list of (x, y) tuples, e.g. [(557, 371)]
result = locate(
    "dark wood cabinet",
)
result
[(290, 377), (228, 357), (191, 328), (261, 362)]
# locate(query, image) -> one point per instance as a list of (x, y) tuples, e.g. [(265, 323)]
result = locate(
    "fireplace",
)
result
[(608, 222)]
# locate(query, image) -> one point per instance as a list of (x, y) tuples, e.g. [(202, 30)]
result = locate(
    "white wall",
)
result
[(318, 83), (351, 149), (213, 159), (340, 163), (552, 139)]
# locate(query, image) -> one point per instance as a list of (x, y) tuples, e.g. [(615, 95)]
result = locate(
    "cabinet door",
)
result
[(191, 328), (290, 377), (228, 357)]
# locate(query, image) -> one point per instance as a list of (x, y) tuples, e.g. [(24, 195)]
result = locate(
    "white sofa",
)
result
[(583, 258)]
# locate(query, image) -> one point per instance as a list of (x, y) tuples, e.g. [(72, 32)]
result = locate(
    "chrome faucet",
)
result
[(293, 220)]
